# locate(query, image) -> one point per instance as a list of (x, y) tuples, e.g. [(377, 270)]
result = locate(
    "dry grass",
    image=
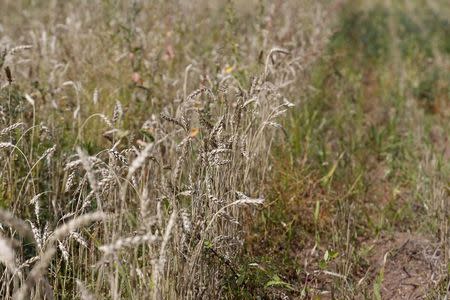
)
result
[(135, 135), (173, 149)]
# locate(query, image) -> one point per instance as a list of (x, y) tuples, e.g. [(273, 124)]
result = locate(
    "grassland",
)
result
[(225, 149), (359, 204)]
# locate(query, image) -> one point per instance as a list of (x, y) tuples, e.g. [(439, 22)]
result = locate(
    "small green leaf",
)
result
[(322, 264), (276, 281), (208, 244), (326, 256), (333, 254)]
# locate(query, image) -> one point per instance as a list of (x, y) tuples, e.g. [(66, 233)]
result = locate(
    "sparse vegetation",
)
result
[(224, 149)]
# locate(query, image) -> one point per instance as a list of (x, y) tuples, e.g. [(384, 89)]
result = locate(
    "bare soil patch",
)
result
[(410, 265)]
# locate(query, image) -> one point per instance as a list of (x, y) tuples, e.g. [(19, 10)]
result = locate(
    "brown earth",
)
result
[(410, 266)]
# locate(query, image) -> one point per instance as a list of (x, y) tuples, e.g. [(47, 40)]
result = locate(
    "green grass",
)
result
[(355, 165)]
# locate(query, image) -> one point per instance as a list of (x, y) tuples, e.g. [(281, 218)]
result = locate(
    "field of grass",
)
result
[(224, 149), (359, 192)]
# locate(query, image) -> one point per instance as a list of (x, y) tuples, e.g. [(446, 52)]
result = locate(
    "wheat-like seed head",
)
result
[(84, 293), (118, 112), (7, 218), (19, 48), (128, 243), (11, 128), (7, 254), (6, 145), (88, 167)]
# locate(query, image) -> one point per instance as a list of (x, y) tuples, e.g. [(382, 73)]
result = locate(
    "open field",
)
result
[(224, 149)]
